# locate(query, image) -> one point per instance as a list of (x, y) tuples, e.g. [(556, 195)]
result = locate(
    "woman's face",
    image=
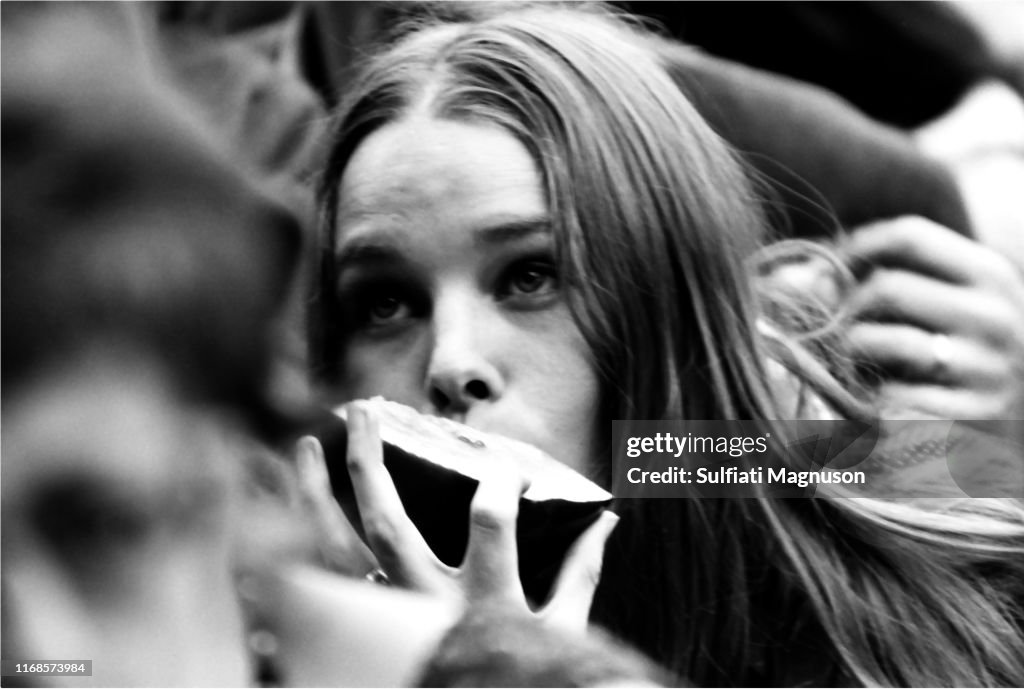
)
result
[(450, 296)]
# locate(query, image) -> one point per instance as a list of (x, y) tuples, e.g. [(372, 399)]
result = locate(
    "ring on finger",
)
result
[(942, 355), (378, 576)]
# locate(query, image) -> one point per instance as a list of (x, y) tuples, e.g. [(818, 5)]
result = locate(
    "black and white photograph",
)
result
[(512, 343)]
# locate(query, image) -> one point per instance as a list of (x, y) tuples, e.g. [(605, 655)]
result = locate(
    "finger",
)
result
[(338, 541), (312, 468), (314, 481), (899, 400), (899, 296), (913, 353), (573, 593), (491, 566), (920, 245), (394, 539), (907, 352)]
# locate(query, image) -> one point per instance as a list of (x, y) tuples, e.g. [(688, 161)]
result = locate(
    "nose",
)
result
[(462, 370)]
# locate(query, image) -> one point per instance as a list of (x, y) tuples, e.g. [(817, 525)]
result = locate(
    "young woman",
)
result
[(529, 229)]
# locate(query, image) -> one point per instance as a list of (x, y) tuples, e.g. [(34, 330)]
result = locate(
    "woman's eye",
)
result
[(530, 279), (379, 303), (386, 309)]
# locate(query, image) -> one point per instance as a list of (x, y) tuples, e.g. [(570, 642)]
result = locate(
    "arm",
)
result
[(815, 149)]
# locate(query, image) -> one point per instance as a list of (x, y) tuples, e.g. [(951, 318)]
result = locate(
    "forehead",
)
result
[(445, 169)]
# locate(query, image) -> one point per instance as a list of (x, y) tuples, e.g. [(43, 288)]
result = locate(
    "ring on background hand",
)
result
[(378, 576), (942, 355)]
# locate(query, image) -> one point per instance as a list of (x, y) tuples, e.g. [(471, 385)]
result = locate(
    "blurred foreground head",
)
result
[(125, 221), (142, 272)]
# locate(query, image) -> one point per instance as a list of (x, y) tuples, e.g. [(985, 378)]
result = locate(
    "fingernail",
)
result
[(356, 415), (610, 520), (304, 451)]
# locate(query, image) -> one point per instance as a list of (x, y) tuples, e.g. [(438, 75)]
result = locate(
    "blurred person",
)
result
[(133, 259), (528, 228), (239, 78)]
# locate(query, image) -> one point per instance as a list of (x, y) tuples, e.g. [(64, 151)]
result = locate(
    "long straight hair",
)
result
[(654, 223)]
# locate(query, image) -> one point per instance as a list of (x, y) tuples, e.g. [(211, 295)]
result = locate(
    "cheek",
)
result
[(569, 383), (561, 383), (368, 370)]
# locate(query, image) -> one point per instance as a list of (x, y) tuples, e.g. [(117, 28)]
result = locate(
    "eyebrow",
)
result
[(512, 231), (367, 250), (381, 249)]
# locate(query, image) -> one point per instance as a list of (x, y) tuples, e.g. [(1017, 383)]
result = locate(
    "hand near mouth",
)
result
[(489, 572)]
